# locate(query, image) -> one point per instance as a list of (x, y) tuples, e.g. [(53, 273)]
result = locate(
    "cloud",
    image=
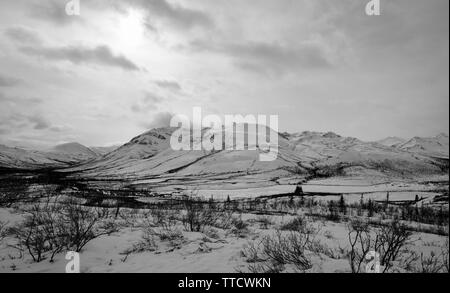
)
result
[(173, 14), (4, 131), (403, 53), (19, 100), (277, 58), (39, 122), (152, 98), (148, 103), (6, 81), (57, 128), (160, 120), (170, 85), (269, 58), (101, 55), (15, 121), (22, 35), (53, 11)]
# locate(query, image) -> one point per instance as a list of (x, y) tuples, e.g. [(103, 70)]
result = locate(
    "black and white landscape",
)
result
[(87, 165)]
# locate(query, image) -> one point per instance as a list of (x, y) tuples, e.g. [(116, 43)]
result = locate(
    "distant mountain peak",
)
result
[(391, 141), (68, 144), (331, 134), (437, 146), (73, 151)]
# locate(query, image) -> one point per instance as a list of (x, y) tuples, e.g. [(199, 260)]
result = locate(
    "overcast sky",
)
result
[(124, 66)]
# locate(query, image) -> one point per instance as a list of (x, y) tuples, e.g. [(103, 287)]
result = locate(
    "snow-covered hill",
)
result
[(332, 154), (72, 153), (16, 158), (148, 162), (437, 146), (59, 156), (391, 141), (149, 158), (101, 151)]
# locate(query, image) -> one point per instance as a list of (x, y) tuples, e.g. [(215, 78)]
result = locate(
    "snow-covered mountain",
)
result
[(392, 141), (59, 156), (437, 146), (150, 156), (101, 151), (149, 162), (330, 152), (72, 153), (17, 158)]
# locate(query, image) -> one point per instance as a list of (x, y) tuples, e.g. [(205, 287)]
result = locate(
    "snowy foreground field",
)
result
[(214, 250), (328, 228)]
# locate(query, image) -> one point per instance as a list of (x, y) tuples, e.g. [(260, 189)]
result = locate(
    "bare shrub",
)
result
[(430, 264), (198, 215), (297, 224), (265, 222), (320, 249), (445, 253), (11, 192), (130, 217), (83, 224), (175, 238), (257, 262), (147, 243), (360, 244), (150, 235), (274, 252), (224, 219), (39, 233), (212, 233), (266, 268), (288, 249), (166, 219), (239, 227), (238, 223), (31, 236), (3, 230), (251, 253), (389, 241), (52, 226)]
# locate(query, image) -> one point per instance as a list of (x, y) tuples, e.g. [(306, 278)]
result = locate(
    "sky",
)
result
[(122, 67)]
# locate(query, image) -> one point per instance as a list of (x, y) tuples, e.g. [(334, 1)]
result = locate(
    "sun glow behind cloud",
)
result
[(130, 31)]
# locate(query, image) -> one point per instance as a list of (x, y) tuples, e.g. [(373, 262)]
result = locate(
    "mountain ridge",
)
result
[(59, 156), (320, 153), (148, 162)]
